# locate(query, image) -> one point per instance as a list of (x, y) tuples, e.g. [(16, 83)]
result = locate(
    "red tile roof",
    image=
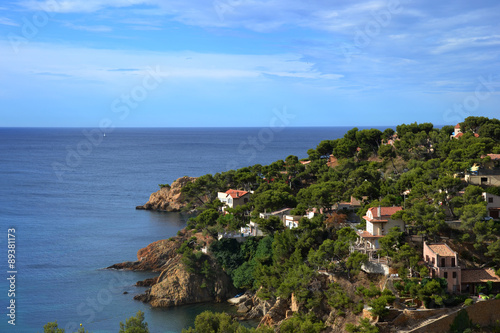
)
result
[(385, 211), (476, 135), (459, 135), (494, 157), (479, 275), (457, 125), (441, 249), (236, 193)]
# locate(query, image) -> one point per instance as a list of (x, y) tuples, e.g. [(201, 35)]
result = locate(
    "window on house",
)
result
[(490, 200), (484, 180), (443, 262), (427, 258), (453, 263), (445, 275), (454, 275), (433, 262)]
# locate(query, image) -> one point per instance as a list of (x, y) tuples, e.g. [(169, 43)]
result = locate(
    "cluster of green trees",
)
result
[(134, 324), (209, 322)]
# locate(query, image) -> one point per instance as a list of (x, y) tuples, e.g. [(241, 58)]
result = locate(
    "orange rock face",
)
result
[(168, 199)]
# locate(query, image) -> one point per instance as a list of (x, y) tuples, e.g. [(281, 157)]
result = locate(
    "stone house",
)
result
[(492, 204), (484, 178)]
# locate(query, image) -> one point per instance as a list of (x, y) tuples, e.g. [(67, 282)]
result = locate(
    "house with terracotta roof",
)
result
[(233, 198), (494, 157), (443, 263), (378, 223), (492, 204), (457, 132), (473, 278), (352, 204)]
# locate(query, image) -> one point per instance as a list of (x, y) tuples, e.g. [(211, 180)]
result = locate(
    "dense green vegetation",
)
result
[(421, 171)]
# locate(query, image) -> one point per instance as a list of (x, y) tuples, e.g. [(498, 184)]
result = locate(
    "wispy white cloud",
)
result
[(90, 28), (456, 43), (78, 6), (105, 65), (418, 44), (8, 21)]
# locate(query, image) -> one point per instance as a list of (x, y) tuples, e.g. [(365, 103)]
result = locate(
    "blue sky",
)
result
[(241, 62)]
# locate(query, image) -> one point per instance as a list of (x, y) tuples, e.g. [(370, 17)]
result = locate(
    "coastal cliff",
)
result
[(177, 286), (169, 198), (177, 283)]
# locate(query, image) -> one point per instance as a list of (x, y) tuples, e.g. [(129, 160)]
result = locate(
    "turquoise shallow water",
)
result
[(75, 216)]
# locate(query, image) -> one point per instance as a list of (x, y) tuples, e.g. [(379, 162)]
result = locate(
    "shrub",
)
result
[(364, 326), (461, 322), (468, 301), (358, 308), (299, 323), (368, 293), (134, 324)]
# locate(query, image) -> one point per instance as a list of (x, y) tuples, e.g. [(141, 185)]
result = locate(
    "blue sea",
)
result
[(70, 195)]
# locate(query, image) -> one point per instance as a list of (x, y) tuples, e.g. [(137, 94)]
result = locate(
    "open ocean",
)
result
[(70, 194)]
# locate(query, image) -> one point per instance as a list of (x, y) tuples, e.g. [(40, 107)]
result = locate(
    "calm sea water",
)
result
[(71, 199)]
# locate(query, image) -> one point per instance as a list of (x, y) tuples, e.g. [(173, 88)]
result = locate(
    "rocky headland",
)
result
[(177, 284), (169, 198)]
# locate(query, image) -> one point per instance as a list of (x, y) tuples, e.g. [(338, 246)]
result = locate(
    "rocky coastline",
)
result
[(176, 285)]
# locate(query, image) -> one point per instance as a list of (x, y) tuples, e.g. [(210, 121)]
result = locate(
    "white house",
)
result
[(292, 221), (233, 198), (278, 213), (252, 229), (378, 223)]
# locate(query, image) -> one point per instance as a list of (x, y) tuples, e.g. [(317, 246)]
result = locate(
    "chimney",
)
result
[(379, 212)]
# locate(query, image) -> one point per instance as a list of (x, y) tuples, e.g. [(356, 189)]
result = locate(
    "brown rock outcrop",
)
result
[(147, 282), (153, 257), (177, 286), (169, 198), (276, 314)]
